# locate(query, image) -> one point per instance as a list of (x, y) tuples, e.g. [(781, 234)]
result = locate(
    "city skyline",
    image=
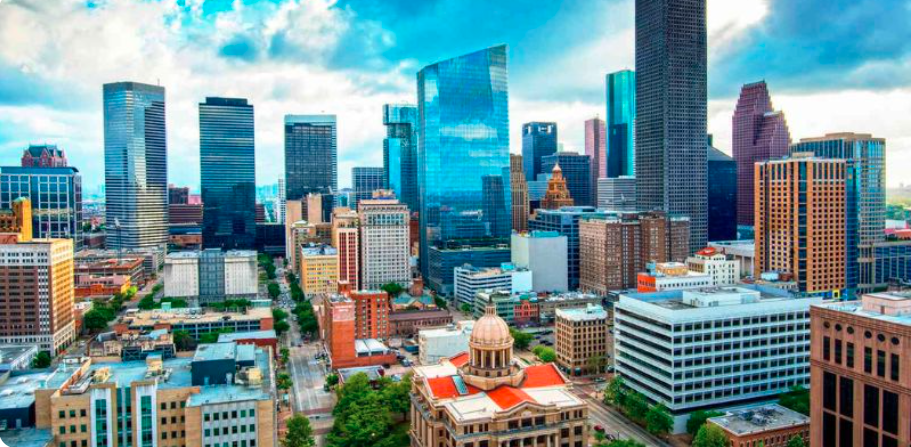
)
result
[(234, 62)]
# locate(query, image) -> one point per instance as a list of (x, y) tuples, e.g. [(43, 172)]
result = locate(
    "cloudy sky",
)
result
[(832, 65)]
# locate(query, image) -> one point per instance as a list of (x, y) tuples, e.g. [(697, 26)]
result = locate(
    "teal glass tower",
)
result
[(621, 118), (400, 152), (463, 151)]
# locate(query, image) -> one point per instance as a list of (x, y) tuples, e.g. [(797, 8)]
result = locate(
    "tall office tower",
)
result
[(800, 222), (366, 180), (576, 169), (135, 165), (519, 189), (566, 223), (557, 195), (859, 383), (865, 200), (722, 184), (346, 239), (282, 201), (36, 292), (463, 142), (617, 193), (759, 134), (43, 156), (621, 123), (311, 155), (671, 111), (385, 245), (400, 152), (538, 140), (596, 149), (227, 173), (178, 195), (56, 199)]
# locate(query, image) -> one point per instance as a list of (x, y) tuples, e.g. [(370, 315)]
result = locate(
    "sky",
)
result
[(831, 66)]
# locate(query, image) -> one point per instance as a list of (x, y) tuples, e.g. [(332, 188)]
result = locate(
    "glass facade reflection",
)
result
[(311, 155), (366, 180), (56, 196), (227, 173), (577, 172), (135, 165), (621, 115), (400, 152), (538, 140), (463, 144)]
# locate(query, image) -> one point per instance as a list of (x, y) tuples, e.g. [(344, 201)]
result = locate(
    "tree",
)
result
[(465, 308), (147, 302), (796, 441), (621, 443), (299, 434), (521, 340), (615, 393), (797, 399), (182, 340), (697, 420), (658, 421), (595, 364), (283, 381), (332, 380), (285, 355), (281, 327), (635, 406), (393, 289), (395, 396), (42, 360), (212, 337), (440, 302), (710, 436), (545, 354), (366, 424), (95, 320), (274, 290)]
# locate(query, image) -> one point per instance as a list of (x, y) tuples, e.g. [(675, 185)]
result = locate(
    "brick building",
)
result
[(581, 337), (769, 426)]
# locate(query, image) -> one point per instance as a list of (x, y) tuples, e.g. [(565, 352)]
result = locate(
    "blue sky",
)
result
[(832, 65)]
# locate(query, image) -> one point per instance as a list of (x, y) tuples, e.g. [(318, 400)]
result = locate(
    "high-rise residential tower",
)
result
[(519, 188), (671, 110), (400, 152), (227, 168), (366, 180), (311, 155), (463, 150), (759, 133), (384, 243), (135, 165), (596, 149), (538, 140), (621, 119), (576, 169)]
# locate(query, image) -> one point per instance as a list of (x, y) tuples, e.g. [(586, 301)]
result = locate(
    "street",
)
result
[(613, 422)]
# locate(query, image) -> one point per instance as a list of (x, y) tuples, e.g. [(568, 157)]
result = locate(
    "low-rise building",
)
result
[(547, 307), (711, 261), (132, 345), (88, 286), (671, 276), (152, 260), (439, 343), (769, 426), (131, 267), (546, 255), (338, 326), (740, 250), (262, 339), (442, 262), (197, 322), (580, 340), (470, 280), (408, 323)]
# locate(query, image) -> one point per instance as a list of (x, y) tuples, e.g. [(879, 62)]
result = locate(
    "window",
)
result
[(829, 391), (871, 406), (894, 365), (825, 349), (880, 363), (871, 438), (845, 433), (849, 360), (838, 352), (868, 360), (890, 412), (846, 396), (828, 429)]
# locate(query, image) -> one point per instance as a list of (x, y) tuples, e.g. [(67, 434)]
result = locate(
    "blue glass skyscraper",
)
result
[(621, 117), (135, 165), (227, 169), (366, 180), (400, 152), (577, 172), (56, 196), (463, 141), (538, 140)]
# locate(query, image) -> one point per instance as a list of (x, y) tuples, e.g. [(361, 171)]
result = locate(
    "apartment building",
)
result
[(581, 340)]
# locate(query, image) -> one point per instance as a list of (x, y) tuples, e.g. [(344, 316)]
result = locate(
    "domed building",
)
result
[(487, 398)]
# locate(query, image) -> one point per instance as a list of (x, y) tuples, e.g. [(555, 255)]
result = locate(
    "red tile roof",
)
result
[(507, 397), (542, 375), (445, 388), (459, 360)]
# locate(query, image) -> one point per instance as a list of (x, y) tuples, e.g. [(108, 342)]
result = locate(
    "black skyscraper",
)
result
[(722, 186), (311, 155)]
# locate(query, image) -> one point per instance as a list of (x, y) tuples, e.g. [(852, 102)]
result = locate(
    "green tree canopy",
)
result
[(797, 399), (299, 434), (283, 381), (796, 441), (521, 339), (274, 290), (42, 360), (658, 420), (697, 420), (710, 436), (635, 406), (546, 355), (615, 393), (182, 340), (621, 443), (393, 289)]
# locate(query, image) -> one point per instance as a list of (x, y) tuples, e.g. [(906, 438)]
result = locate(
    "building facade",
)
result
[(576, 169), (580, 340), (311, 155), (596, 149), (662, 276), (444, 260), (211, 276), (557, 195), (722, 198), (55, 194), (227, 160), (438, 344), (43, 156), (713, 262), (470, 280), (346, 239), (135, 165), (539, 139), (621, 123), (519, 188), (565, 222), (769, 426), (384, 243), (545, 254), (400, 152), (617, 193), (372, 312), (318, 269), (671, 111), (366, 180)]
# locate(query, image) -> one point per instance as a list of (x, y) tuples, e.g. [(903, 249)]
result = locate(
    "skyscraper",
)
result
[(519, 189), (671, 111), (621, 118), (595, 148), (722, 186), (759, 134), (463, 143), (227, 173), (400, 152), (135, 165), (384, 244), (311, 155), (557, 195), (366, 180), (576, 169), (538, 140), (865, 197), (56, 199)]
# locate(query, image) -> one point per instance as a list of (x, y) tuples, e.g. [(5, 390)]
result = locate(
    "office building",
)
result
[(742, 252), (576, 169), (722, 198), (566, 223), (195, 322), (304, 233), (617, 193), (770, 425), (211, 276), (346, 239), (549, 305), (407, 324), (712, 348), (713, 262), (270, 238), (437, 344), (662, 276), (470, 280), (859, 383), (55, 195), (557, 195), (802, 235), (621, 124), (493, 399), (596, 149), (538, 140), (519, 188), (400, 152), (227, 173), (281, 200), (371, 308), (671, 111), (311, 155), (462, 170), (615, 247), (545, 255), (318, 269), (178, 195), (865, 197), (43, 156), (135, 165), (338, 330), (384, 243), (760, 133), (366, 180), (36, 292), (580, 340), (444, 260)]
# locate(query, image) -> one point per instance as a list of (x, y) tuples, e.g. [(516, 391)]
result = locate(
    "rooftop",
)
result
[(318, 250), (10, 353), (19, 390), (743, 294), (891, 307), (760, 419), (215, 351), (252, 335), (194, 315), (587, 313), (369, 346), (372, 372), (27, 437)]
